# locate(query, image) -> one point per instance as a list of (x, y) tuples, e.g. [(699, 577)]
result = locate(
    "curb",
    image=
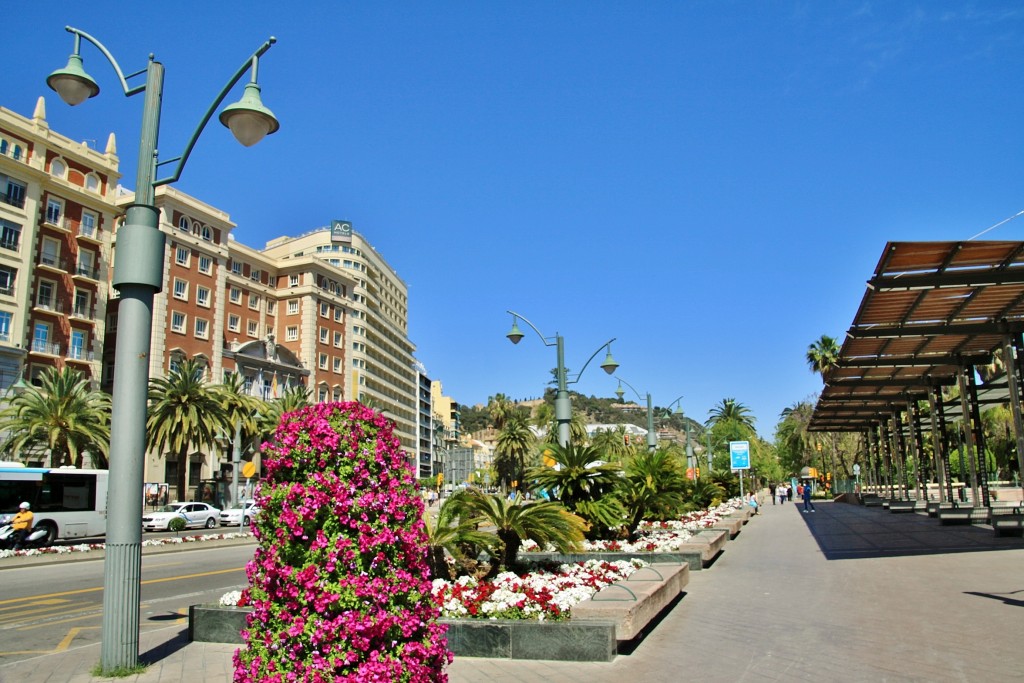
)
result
[(23, 561)]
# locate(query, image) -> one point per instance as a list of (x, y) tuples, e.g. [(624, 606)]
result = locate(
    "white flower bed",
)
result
[(86, 547)]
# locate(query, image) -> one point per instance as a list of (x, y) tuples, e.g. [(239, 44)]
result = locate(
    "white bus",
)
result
[(68, 502)]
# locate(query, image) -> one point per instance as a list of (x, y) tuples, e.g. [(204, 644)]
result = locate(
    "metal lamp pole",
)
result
[(563, 406), (652, 437), (138, 274)]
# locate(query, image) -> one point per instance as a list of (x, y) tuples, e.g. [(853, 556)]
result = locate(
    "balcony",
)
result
[(7, 290), (90, 234), (53, 262), (9, 244), (82, 312), (50, 305), (45, 347), (59, 222), (87, 271), (13, 200), (80, 355)]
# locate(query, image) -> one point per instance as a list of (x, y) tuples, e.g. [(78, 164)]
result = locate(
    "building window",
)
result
[(83, 303), (180, 289), (337, 339), (76, 351), (271, 306), (236, 267), (293, 280), (202, 328), (46, 295), (6, 318), (337, 314), (252, 329), (10, 235), (325, 310), (234, 323), (87, 228), (205, 265), (293, 306), (41, 338), (87, 264), (13, 192), (254, 301), (321, 394), (54, 210), (323, 361), (7, 277), (181, 256), (291, 333), (178, 322), (203, 296), (92, 183), (183, 224), (207, 233), (254, 275), (337, 394), (337, 364), (235, 294), (324, 332), (49, 255)]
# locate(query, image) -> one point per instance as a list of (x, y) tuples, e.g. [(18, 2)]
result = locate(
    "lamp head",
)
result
[(72, 83), (619, 392), (515, 335), (248, 119), (609, 365)]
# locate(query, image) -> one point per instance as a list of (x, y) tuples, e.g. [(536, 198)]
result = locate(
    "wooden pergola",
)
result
[(933, 312)]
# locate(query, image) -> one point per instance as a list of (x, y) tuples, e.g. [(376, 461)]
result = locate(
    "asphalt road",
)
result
[(52, 607)]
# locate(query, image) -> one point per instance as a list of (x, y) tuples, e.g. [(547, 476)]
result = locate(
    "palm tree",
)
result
[(499, 408), (64, 416), (577, 429), (791, 435), (653, 488), (514, 444), (823, 355), (582, 484), (730, 410), (515, 521), (452, 530), (240, 408), (612, 446), (184, 412), (293, 398)]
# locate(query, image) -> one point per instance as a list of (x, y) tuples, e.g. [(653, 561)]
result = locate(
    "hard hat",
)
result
[(25, 506)]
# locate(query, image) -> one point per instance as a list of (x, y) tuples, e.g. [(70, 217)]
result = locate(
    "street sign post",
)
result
[(739, 458)]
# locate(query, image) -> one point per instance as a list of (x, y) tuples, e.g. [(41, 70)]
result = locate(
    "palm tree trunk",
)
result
[(511, 542), (182, 476)]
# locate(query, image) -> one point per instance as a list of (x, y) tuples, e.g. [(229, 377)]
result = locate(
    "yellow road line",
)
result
[(13, 616), (63, 645), (99, 588), (41, 603)]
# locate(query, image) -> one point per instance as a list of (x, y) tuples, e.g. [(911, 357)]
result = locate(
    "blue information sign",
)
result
[(739, 455)]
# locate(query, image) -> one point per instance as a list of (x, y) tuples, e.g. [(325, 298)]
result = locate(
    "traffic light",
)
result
[(440, 479), (698, 473), (625, 439)]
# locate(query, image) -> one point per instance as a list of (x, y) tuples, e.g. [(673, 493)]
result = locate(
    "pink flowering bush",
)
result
[(339, 584)]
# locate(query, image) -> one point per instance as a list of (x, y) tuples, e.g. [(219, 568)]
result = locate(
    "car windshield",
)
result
[(241, 506), (170, 508)]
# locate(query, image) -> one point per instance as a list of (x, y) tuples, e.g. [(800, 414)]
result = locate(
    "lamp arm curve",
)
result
[(534, 327), (622, 380), (252, 62), (110, 58), (593, 355)]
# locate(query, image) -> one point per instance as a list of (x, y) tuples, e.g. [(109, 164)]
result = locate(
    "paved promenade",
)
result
[(844, 594)]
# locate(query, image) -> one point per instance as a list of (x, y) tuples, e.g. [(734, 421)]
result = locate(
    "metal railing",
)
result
[(40, 346)]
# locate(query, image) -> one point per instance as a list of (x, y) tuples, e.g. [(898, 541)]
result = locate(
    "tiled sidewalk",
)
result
[(844, 594)]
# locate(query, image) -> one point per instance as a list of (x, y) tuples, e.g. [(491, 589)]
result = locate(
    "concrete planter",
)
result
[(700, 552)]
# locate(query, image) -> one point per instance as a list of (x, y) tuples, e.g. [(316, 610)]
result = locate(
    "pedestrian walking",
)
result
[(807, 498), (789, 493), (771, 489)]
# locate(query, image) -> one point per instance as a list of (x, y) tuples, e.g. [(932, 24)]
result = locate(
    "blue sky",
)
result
[(710, 183)]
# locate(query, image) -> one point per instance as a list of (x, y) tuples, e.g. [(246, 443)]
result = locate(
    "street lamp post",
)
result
[(563, 406), (138, 274), (691, 462), (652, 436)]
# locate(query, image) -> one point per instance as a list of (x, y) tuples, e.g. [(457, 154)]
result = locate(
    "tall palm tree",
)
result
[(653, 488), (612, 446), (512, 449), (185, 412), (730, 410), (514, 521), (499, 408), (823, 355), (240, 408), (294, 398), (63, 415), (577, 429), (582, 484)]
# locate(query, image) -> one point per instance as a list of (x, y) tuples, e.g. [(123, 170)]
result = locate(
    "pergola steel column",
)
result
[(886, 444), (900, 450), (968, 431), (869, 474), (981, 471), (1011, 348), (940, 444), (914, 423)]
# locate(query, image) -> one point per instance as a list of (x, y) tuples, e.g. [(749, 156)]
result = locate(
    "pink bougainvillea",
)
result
[(339, 583)]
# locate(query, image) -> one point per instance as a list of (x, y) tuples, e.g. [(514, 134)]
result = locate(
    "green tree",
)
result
[(453, 531), (499, 407), (730, 410), (612, 445), (63, 416), (239, 408), (294, 398), (512, 449), (653, 487), (515, 521), (822, 355), (185, 412), (582, 484)]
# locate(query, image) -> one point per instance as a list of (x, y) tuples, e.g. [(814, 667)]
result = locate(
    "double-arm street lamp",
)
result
[(138, 275), (563, 406), (652, 437), (691, 462)]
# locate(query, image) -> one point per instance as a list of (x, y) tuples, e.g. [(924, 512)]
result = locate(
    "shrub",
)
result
[(339, 583), (176, 524)]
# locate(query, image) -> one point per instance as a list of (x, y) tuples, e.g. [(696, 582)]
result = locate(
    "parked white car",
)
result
[(195, 515), (239, 514)]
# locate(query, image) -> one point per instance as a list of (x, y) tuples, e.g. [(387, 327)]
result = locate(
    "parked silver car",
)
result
[(239, 514), (195, 515)]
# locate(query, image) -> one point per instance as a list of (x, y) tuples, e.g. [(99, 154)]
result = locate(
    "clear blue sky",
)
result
[(709, 182)]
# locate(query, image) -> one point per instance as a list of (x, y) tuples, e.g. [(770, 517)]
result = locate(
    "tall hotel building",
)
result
[(322, 310)]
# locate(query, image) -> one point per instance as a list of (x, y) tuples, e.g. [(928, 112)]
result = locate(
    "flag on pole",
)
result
[(273, 386)]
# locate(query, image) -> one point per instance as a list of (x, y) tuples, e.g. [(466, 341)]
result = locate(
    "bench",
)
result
[(902, 505), (635, 601), (964, 515), (871, 500), (1008, 523)]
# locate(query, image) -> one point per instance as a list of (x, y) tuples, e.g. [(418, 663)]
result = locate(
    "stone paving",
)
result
[(843, 594)]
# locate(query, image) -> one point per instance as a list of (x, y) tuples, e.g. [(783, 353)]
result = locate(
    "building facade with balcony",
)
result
[(57, 210)]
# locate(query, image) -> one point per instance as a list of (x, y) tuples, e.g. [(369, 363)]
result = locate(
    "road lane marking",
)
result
[(15, 616), (63, 645), (100, 588)]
